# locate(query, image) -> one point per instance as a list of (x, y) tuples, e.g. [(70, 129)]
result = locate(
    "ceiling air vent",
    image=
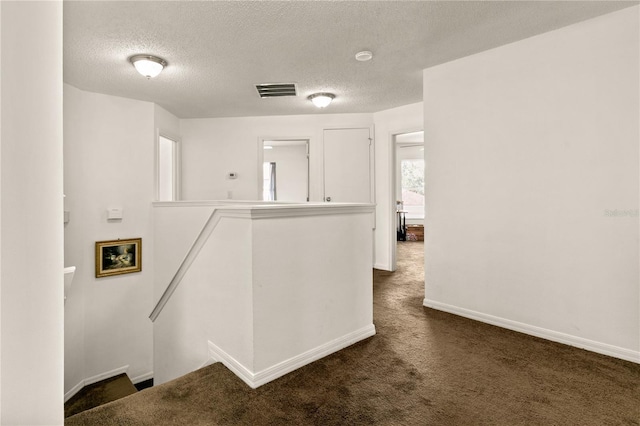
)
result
[(276, 90)]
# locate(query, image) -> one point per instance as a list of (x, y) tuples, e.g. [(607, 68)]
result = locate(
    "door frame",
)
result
[(177, 178), (391, 201), (261, 141)]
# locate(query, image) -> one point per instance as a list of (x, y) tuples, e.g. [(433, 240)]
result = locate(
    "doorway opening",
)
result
[(408, 190), (283, 171), (168, 169)]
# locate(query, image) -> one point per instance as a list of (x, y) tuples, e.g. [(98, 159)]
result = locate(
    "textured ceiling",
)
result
[(217, 51)]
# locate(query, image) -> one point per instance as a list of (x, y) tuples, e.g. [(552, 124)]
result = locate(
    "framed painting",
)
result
[(117, 257)]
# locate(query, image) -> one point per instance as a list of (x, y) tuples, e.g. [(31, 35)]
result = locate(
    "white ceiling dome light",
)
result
[(364, 56), (321, 100), (148, 65)]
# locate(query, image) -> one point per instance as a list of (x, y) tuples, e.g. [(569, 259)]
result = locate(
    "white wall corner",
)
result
[(267, 375), (554, 336), (218, 355), (382, 266), (212, 352), (74, 390)]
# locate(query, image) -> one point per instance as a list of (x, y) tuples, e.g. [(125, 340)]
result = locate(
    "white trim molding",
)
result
[(98, 377), (555, 336), (248, 209), (74, 390), (267, 375), (382, 267), (142, 378), (94, 379)]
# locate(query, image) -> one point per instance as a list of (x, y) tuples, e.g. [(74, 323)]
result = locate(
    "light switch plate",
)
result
[(114, 214)]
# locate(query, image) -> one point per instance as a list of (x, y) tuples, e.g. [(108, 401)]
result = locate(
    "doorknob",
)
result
[(328, 199)]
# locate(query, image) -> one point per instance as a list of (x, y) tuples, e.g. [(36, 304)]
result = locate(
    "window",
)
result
[(269, 181), (412, 173), (167, 169)]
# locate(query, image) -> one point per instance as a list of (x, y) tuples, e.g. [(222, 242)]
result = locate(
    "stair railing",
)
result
[(200, 241)]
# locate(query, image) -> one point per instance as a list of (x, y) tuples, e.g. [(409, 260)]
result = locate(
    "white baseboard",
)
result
[(260, 378), (382, 267), (555, 336), (105, 375), (99, 377), (142, 378), (94, 379), (74, 390), (218, 355)]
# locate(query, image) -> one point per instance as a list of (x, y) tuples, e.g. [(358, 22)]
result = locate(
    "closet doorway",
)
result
[(408, 190)]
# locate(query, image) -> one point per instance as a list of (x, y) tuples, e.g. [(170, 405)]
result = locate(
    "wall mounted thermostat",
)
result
[(232, 175)]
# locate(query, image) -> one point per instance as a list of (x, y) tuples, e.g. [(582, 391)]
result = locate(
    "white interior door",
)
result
[(348, 160)]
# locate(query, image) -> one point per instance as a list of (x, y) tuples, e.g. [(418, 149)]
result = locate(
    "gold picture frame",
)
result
[(115, 257)]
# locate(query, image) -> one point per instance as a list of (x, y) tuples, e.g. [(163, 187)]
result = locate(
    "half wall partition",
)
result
[(264, 288)]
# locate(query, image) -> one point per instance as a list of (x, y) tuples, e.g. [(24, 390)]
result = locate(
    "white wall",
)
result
[(74, 309), (312, 283), (267, 299), (214, 299), (527, 148), (213, 147), (404, 119), (167, 124), (292, 171), (0, 213), (31, 211), (109, 151)]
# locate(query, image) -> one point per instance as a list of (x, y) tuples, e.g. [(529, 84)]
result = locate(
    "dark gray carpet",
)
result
[(424, 367)]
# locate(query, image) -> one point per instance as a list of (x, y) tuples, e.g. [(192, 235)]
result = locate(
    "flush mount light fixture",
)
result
[(321, 100), (148, 65), (364, 56)]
